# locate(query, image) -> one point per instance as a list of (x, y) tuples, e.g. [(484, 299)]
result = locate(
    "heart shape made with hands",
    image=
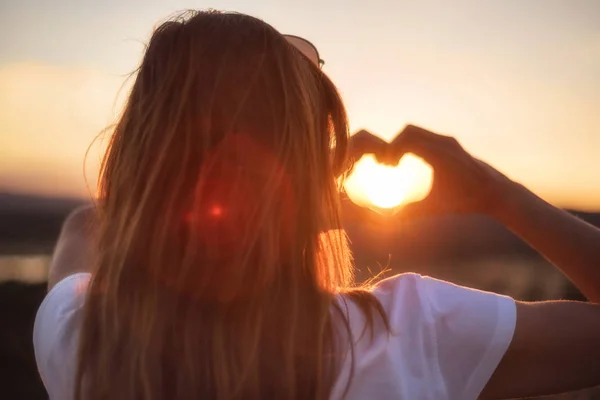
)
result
[(385, 188)]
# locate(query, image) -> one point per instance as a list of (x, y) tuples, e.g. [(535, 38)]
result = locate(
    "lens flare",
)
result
[(216, 210)]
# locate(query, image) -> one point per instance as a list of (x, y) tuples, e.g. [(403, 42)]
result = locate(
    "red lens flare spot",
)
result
[(216, 211)]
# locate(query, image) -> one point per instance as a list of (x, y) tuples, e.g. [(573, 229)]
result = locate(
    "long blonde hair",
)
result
[(216, 275)]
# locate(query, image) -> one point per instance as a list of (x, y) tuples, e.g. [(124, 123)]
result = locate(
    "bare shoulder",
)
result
[(72, 253), (81, 218)]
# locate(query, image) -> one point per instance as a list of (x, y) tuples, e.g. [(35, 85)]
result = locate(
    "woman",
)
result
[(208, 271)]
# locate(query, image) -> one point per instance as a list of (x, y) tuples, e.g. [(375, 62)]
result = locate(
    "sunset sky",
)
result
[(516, 81)]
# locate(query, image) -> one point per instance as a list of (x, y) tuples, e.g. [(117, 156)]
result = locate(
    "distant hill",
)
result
[(30, 224), (431, 240)]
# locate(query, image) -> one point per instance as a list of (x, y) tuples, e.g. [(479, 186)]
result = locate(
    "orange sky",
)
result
[(516, 81)]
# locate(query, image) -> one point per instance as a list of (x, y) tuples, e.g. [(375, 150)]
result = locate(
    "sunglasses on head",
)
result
[(306, 47)]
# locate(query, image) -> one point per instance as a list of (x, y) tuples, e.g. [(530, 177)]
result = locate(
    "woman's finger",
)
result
[(364, 142), (433, 148)]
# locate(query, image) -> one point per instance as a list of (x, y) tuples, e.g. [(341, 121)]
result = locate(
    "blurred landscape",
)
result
[(469, 250)]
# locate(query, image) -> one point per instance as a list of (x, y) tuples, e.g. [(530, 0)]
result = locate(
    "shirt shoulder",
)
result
[(55, 334), (445, 341)]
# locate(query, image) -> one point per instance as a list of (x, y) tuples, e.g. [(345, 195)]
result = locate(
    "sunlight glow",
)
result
[(385, 187)]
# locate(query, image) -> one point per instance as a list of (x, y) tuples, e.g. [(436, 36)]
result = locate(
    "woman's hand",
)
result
[(461, 183), (364, 142)]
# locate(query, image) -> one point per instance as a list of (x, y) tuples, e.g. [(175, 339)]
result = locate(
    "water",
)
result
[(27, 269)]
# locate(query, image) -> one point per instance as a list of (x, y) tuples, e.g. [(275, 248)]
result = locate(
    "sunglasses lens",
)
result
[(306, 47)]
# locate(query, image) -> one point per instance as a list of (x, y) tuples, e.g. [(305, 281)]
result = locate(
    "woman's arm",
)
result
[(463, 184), (569, 243), (554, 349), (555, 346), (72, 253)]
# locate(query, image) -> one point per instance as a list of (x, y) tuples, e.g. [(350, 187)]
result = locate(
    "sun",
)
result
[(387, 187)]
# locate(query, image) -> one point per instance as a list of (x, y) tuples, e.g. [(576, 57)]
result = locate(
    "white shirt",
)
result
[(446, 340)]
